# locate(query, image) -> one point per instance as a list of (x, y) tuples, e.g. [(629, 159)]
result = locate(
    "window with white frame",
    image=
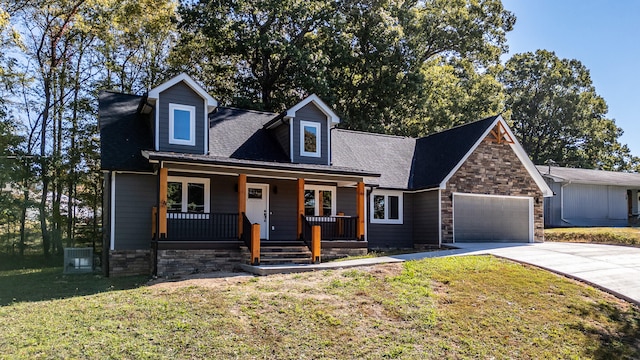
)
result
[(386, 207), (187, 195), (319, 200), (182, 124), (310, 139)]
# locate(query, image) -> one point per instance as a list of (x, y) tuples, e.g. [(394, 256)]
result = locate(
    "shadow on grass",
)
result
[(621, 341), (36, 278)]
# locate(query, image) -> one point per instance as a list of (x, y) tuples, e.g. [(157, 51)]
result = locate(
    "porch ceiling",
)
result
[(209, 164)]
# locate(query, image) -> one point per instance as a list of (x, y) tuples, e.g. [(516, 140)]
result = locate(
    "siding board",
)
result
[(427, 218), (392, 236), (586, 205), (134, 197), (182, 94), (310, 112), (346, 201)]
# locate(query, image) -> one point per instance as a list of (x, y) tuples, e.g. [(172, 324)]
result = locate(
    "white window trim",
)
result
[(192, 125), (185, 191), (316, 125), (386, 194), (318, 188)]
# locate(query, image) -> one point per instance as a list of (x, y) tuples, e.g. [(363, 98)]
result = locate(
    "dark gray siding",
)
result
[(224, 194), (311, 113), (346, 201), (283, 218), (135, 195), (426, 225), (281, 133), (180, 94), (392, 236), (552, 205)]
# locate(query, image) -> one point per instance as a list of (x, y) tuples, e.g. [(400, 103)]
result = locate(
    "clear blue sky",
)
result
[(603, 35)]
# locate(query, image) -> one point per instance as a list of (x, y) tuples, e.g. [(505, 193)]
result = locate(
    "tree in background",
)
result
[(557, 115), (370, 59), (66, 51), (251, 52)]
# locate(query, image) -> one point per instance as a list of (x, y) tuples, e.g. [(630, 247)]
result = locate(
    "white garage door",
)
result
[(492, 218)]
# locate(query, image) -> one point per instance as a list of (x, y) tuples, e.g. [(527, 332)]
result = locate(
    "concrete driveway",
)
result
[(615, 269)]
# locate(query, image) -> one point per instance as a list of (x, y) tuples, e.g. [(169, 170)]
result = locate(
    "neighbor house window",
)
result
[(182, 124), (310, 139), (386, 207), (187, 195), (319, 200)]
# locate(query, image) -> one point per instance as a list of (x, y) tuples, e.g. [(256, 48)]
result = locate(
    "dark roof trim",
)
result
[(274, 122), (251, 164)]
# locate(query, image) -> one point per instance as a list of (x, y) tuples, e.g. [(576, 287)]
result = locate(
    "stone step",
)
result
[(284, 261), (282, 255), (284, 249)]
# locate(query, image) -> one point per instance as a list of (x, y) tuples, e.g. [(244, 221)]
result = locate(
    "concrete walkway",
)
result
[(615, 269)]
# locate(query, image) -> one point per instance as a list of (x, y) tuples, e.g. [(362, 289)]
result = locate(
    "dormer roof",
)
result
[(154, 93)]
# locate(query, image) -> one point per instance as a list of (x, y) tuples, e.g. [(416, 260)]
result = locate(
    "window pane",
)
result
[(255, 193), (394, 213), (181, 124), (195, 198), (309, 202), (174, 197), (326, 203), (378, 207), (310, 137)]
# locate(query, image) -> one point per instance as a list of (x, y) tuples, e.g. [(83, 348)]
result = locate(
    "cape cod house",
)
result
[(193, 186)]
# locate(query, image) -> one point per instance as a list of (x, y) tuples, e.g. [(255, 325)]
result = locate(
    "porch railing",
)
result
[(246, 231), (335, 227), (251, 238), (306, 231), (312, 237), (202, 227)]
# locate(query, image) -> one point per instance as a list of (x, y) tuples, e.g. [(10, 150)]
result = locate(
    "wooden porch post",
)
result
[(316, 241), (242, 201), (162, 212), (360, 204), (255, 244), (300, 206)]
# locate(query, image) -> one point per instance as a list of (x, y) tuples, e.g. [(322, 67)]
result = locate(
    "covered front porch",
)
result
[(258, 211)]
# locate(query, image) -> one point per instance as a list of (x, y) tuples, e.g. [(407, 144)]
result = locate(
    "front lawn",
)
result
[(600, 235), (461, 307)]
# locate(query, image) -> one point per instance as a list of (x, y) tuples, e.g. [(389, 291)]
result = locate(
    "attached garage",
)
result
[(492, 218)]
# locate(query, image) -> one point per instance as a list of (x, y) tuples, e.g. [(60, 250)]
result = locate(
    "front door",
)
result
[(258, 207)]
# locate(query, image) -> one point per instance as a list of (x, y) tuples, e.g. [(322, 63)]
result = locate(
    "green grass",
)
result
[(602, 235), (34, 278), (464, 307)]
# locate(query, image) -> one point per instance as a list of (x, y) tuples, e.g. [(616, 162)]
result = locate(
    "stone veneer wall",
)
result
[(184, 262), (492, 169), (129, 262)]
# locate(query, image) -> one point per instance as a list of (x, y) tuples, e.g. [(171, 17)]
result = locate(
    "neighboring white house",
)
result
[(590, 197)]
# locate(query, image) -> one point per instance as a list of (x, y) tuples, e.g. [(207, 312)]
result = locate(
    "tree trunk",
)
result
[(23, 220)]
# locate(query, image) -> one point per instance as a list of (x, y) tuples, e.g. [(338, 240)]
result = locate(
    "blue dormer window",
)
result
[(182, 124), (310, 139)]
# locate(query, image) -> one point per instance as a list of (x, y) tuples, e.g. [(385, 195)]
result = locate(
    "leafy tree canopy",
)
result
[(373, 59), (557, 115)]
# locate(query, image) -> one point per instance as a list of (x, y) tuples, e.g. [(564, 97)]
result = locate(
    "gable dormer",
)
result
[(181, 109), (304, 131)]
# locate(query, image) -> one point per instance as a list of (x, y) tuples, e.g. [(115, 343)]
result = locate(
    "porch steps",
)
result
[(283, 254)]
